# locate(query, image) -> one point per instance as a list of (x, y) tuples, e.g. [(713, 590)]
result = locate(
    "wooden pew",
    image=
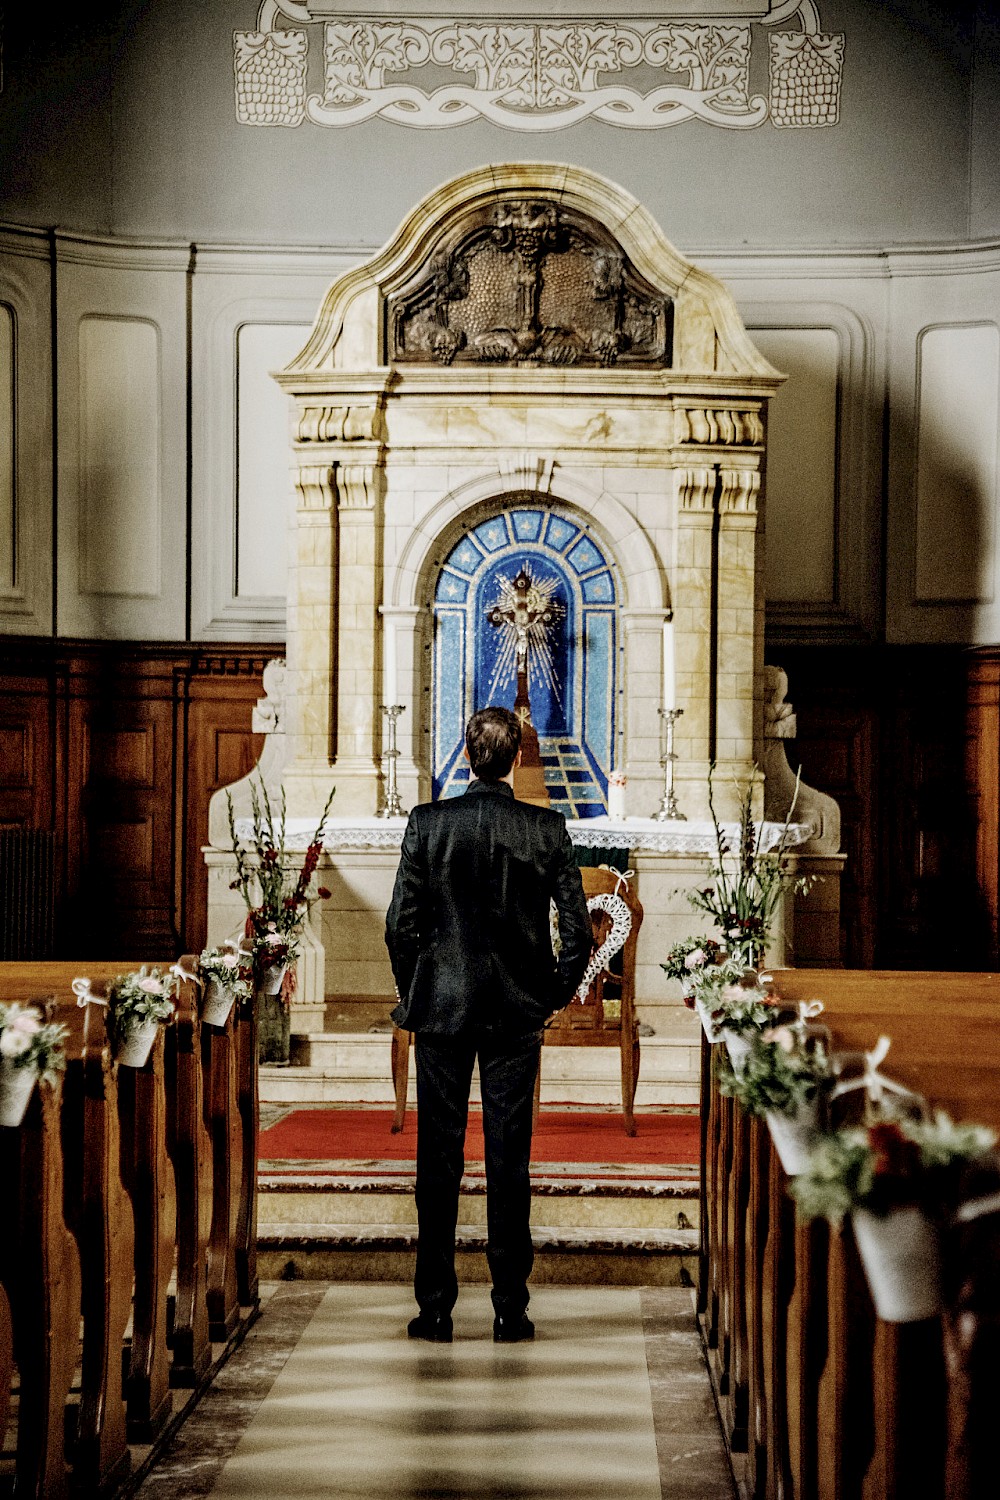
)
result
[(190, 1148), (188, 1111), (40, 1297), (853, 1408)]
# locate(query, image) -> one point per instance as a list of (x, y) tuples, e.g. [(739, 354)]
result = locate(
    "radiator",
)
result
[(27, 893)]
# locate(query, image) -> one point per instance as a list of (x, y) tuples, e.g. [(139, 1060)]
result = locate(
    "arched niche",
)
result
[(528, 319)]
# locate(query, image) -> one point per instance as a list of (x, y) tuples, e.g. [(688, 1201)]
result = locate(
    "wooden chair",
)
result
[(606, 1016)]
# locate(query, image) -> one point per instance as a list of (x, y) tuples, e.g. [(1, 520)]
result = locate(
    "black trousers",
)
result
[(507, 1068)]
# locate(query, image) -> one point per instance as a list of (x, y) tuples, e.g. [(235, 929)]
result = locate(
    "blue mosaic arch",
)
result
[(573, 698)]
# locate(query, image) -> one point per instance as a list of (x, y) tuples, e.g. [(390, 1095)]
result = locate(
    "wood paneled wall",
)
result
[(119, 748), (906, 739)]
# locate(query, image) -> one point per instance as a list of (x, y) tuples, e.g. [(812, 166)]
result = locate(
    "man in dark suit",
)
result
[(469, 936)]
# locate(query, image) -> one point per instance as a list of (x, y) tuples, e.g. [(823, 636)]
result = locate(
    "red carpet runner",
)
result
[(560, 1136)]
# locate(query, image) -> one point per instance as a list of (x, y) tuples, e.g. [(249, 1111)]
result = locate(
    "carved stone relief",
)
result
[(527, 282)]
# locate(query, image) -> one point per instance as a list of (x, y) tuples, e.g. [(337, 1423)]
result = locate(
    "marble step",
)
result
[(621, 1208), (544, 1237), (344, 1067)]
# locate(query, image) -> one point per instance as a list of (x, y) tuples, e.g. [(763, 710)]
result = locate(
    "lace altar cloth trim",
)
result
[(643, 835)]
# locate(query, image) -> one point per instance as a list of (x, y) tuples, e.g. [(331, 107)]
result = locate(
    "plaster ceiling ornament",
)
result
[(538, 74), (526, 281)]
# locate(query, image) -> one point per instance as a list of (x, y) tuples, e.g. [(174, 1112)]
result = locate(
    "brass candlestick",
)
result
[(668, 811), (393, 806)]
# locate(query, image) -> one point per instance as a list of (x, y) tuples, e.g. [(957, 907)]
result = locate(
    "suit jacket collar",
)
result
[(489, 788)]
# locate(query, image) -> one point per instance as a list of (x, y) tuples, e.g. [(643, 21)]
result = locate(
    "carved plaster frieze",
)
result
[(538, 74), (717, 427), (526, 281)]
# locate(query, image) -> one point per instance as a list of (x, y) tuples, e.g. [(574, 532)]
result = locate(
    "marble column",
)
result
[(407, 622), (691, 603), (311, 635), (738, 645), (643, 676), (358, 737)]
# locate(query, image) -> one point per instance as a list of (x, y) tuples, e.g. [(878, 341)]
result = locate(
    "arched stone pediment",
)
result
[(362, 323)]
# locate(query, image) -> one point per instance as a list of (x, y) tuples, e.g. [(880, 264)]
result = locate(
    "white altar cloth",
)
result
[(644, 835)]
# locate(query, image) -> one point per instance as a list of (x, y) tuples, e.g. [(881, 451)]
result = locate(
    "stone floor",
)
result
[(326, 1397)]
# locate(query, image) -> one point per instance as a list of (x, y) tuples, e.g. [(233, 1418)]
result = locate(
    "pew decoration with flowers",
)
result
[(851, 1139), (30, 1048), (225, 975), (278, 892), (137, 1005)]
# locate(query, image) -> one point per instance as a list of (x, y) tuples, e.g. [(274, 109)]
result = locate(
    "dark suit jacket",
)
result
[(468, 928)]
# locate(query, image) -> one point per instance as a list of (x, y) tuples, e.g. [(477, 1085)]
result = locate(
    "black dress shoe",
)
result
[(434, 1327), (513, 1330)]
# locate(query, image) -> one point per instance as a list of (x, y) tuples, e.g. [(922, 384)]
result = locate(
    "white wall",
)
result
[(891, 359)]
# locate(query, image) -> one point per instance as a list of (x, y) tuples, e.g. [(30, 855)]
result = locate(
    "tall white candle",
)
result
[(389, 684), (669, 682)]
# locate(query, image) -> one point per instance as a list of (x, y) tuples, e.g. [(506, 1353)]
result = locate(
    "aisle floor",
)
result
[(327, 1397)]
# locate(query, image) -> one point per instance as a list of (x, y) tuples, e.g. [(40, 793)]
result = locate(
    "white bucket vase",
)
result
[(271, 978), (135, 1049), (899, 1252), (16, 1088), (218, 1002), (794, 1136), (712, 1032), (738, 1048)]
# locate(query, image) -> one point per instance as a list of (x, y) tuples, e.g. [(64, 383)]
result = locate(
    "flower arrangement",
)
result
[(740, 1004), (690, 959), (887, 1165), (27, 1040), (223, 965), (782, 1072), (137, 1000), (743, 900), (277, 895)]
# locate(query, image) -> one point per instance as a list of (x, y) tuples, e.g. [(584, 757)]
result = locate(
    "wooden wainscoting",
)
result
[(906, 739), (119, 747)]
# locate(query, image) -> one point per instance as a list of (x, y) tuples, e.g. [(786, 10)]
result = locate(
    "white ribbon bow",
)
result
[(622, 877), (85, 995), (181, 973), (874, 1083)]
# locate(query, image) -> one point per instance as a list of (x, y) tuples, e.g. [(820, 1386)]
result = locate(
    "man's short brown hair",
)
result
[(492, 738)]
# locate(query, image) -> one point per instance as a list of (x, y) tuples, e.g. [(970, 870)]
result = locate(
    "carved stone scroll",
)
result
[(527, 281)]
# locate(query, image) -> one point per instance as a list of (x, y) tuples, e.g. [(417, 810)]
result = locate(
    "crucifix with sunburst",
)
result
[(525, 611)]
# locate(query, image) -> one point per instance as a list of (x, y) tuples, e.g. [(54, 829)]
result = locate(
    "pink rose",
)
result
[(696, 959), (151, 986), (230, 960), (13, 1042), (25, 1021), (780, 1036)]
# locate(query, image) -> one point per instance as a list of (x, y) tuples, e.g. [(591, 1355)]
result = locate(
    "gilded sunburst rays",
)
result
[(525, 610)]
